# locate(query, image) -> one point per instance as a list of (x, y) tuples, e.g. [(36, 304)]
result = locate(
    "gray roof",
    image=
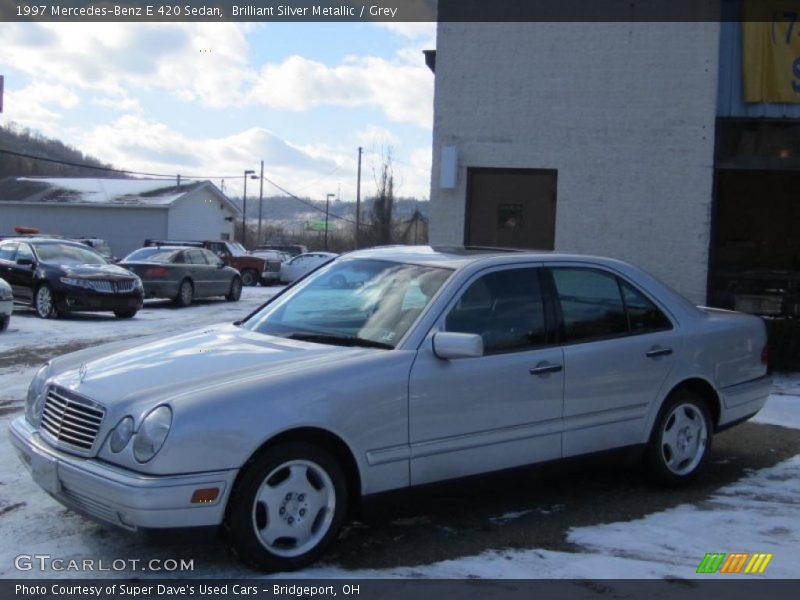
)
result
[(101, 191)]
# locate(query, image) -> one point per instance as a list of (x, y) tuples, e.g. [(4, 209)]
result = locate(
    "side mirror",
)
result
[(449, 345), (221, 264), (25, 262)]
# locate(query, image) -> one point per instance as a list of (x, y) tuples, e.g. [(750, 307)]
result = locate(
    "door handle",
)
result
[(658, 351), (545, 368)]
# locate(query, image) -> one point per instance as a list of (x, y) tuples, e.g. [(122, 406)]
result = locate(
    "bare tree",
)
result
[(379, 227)]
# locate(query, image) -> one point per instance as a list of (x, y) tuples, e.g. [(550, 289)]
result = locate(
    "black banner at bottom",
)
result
[(391, 589)]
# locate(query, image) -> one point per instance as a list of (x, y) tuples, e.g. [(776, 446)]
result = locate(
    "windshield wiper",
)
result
[(338, 340)]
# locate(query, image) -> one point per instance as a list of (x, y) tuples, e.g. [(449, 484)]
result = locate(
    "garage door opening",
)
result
[(755, 251)]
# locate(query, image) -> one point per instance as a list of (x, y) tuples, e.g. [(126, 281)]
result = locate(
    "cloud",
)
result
[(34, 104), (402, 90), (206, 62)]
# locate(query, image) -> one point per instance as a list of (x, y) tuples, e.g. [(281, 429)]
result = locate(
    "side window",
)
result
[(180, 258), (643, 315), (591, 304), (195, 257), (210, 257), (24, 251), (505, 308), (7, 251)]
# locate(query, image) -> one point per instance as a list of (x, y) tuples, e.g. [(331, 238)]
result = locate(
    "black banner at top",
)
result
[(390, 10)]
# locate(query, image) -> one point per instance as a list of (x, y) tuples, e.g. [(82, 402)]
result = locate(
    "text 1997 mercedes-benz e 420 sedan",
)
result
[(421, 364)]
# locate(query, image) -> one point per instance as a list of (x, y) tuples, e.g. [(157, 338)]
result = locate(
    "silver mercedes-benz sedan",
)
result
[(426, 364)]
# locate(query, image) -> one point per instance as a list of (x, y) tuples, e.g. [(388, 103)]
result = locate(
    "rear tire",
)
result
[(185, 294), (45, 303), (4, 321), (250, 277), (287, 508), (236, 290), (681, 439), (125, 314)]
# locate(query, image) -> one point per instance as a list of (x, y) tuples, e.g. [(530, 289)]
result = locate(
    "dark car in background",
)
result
[(232, 253), (57, 276), (183, 273)]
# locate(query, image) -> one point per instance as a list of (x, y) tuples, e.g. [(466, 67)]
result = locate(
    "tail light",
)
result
[(156, 272), (765, 355)]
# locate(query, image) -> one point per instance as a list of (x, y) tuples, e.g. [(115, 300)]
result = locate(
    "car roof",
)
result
[(457, 257), (45, 240)]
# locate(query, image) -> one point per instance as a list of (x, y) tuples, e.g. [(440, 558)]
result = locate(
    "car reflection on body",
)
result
[(441, 363), (56, 276), (301, 264), (183, 274)]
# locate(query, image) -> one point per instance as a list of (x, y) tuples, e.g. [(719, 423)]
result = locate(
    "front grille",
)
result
[(70, 419), (126, 285), (273, 266), (112, 287)]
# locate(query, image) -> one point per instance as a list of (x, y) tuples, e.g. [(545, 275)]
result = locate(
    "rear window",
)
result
[(150, 255)]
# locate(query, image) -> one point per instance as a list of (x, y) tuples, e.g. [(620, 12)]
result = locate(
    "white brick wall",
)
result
[(624, 112)]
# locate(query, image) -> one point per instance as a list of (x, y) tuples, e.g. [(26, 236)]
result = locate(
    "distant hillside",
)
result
[(286, 209), (24, 141)]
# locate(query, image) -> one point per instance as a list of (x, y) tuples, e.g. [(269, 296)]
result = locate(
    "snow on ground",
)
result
[(759, 513)]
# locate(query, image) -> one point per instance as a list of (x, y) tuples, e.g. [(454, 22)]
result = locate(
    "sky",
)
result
[(214, 99)]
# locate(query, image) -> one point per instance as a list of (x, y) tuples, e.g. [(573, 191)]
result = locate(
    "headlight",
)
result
[(33, 402), (76, 282), (121, 435), (152, 433), (139, 285)]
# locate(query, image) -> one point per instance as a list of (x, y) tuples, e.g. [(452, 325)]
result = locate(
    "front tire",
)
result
[(287, 508), (45, 303), (125, 314), (4, 321), (681, 439), (250, 277)]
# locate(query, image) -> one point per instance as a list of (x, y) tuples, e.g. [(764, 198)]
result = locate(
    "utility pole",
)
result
[(327, 207), (244, 208), (260, 202), (358, 202)]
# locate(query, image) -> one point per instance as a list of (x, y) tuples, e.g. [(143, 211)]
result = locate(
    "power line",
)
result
[(171, 176), (307, 203), (112, 169)]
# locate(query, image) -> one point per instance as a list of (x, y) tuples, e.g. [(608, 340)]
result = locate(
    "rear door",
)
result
[(500, 410), (619, 347), (219, 277), (23, 276)]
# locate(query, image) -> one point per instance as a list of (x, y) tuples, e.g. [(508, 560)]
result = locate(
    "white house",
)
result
[(124, 212)]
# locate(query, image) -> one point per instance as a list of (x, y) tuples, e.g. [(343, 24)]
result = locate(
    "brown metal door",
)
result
[(511, 208)]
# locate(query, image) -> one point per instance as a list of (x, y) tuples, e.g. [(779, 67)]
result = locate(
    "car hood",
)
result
[(95, 271), (172, 369)]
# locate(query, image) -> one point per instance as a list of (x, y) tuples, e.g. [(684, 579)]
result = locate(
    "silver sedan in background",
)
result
[(435, 364), (6, 304)]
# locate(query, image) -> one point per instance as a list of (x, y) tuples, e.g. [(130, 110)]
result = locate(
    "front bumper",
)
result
[(117, 496), (270, 276), (72, 298)]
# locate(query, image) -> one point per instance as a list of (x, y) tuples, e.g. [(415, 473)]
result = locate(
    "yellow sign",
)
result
[(771, 50)]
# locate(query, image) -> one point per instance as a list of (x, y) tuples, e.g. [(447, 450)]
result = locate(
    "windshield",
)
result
[(67, 254), (352, 302), (236, 249), (150, 255)]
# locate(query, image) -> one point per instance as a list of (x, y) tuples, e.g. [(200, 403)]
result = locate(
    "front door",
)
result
[(503, 409), (511, 208)]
